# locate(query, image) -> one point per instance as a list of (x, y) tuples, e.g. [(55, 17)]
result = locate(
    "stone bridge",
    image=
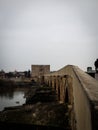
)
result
[(80, 91)]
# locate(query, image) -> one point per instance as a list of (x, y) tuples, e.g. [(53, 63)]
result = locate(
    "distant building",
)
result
[(89, 69), (91, 72), (38, 72)]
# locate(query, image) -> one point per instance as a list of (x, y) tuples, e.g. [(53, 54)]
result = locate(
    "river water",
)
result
[(12, 98)]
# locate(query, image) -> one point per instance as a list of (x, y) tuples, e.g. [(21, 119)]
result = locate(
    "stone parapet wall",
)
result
[(80, 91)]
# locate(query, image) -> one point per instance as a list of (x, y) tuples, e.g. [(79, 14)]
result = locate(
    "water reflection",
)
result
[(8, 95), (11, 98)]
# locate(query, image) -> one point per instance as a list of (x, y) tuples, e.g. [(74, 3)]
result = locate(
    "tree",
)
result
[(96, 65), (27, 74)]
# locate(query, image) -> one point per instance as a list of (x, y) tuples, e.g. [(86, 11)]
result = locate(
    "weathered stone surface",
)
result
[(43, 110)]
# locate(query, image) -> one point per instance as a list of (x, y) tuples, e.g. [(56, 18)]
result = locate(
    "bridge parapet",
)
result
[(80, 91)]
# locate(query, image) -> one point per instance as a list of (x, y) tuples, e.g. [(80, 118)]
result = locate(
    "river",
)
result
[(12, 98)]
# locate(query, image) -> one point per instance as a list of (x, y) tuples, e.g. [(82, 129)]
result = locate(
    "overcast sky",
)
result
[(55, 32)]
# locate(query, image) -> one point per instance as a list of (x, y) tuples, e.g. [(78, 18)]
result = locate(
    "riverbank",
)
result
[(15, 82)]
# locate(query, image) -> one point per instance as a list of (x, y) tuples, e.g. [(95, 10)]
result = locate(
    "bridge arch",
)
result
[(81, 95), (66, 96)]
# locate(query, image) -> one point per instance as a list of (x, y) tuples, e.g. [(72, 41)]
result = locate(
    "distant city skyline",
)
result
[(48, 32)]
